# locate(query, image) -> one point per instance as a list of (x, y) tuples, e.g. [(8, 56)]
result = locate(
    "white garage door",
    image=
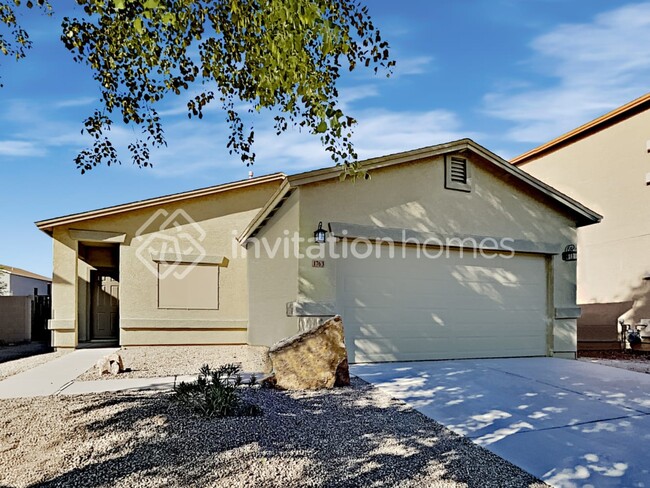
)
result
[(416, 308)]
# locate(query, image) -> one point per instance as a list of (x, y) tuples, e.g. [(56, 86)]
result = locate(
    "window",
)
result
[(188, 286), (457, 174)]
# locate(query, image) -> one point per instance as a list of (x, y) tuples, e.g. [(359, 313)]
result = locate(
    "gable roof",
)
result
[(24, 273), (583, 215), (47, 225), (617, 115)]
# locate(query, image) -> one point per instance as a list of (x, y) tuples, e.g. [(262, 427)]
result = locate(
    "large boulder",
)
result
[(111, 364), (312, 359)]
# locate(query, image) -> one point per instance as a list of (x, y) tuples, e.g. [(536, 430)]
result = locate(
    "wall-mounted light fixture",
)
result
[(570, 253), (320, 234)]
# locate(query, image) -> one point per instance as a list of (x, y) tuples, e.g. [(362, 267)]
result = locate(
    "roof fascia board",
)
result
[(48, 224), (610, 118), (270, 205), (380, 162), (551, 192)]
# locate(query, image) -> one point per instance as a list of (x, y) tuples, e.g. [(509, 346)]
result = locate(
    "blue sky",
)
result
[(510, 74)]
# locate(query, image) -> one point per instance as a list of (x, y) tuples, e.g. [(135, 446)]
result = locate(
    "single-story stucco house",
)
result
[(447, 251), (17, 282), (605, 163)]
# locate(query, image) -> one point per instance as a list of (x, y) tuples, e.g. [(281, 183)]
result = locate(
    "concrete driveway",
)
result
[(568, 422)]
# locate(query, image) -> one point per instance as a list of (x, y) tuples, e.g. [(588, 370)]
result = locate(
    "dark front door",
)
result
[(105, 305)]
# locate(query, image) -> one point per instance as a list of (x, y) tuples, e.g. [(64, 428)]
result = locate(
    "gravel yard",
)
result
[(158, 361), (633, 361), (355, 436)]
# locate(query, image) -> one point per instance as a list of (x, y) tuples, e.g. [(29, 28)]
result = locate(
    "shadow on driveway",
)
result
[(19, 351), (568, 422)]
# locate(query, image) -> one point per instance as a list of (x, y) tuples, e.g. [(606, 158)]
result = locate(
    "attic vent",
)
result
[(457, 174), (458, 170)]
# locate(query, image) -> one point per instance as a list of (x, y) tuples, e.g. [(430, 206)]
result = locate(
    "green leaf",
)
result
[(137, 25), (284, 55)]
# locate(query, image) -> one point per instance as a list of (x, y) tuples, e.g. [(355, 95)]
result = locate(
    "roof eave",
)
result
[(585, 215), (331, 172), (264, 212), (48, 225), (625, 111)]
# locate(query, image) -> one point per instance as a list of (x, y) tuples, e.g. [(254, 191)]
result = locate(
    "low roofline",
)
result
[(24, 273), (47, 225), (265, 212), (610, 118), (586, 215)]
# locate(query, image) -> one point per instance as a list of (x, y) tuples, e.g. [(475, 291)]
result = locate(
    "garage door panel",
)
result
[(384, 350), (388, 332), (399, 318), (394, 316), (452, 307), (408, 293)]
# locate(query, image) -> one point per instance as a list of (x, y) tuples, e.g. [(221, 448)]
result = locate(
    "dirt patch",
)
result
[(353, 436), (159, 361)]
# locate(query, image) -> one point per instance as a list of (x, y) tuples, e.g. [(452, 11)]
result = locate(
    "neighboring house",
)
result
[(20, 283), (606, 164), (446, 252), (23, 314)]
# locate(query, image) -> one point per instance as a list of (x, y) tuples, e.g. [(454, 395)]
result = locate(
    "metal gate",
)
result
[(41, 314)]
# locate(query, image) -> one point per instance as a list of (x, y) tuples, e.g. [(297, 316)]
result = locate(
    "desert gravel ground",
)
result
[(355, 436), (159, 361), (625, 360), (12, 363)]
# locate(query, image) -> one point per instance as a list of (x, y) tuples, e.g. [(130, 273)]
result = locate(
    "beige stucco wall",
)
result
[(607, 172), (221, 217), (64, 290), (273, 279), (15, 318), (412, 196)]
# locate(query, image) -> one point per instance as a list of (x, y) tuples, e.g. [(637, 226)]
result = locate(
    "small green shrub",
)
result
[(218, 392)]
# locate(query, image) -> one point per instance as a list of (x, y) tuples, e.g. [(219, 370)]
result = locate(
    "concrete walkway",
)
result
[(129, 384), (53, 376)]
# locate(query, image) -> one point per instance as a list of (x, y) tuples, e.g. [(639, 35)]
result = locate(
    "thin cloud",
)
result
[(20, 149), (75, 102), (350, 94), (594, 67), (200, 148), (413, 66)]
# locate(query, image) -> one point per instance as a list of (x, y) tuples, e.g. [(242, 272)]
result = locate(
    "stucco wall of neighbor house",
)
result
[(273, 279), (413, 196), (15, 318), (607, 171), (220, 217), (24, 286)]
